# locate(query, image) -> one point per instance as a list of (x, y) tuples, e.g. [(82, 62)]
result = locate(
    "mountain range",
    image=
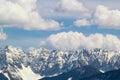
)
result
[(34, 64)]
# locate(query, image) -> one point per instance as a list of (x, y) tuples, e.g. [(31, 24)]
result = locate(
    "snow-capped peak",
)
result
[(49, 62)]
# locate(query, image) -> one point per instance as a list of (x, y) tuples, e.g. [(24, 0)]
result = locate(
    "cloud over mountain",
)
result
[(75, 40)]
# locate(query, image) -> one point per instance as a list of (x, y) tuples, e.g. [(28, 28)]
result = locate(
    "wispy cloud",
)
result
[(3, 36), (72, 6), (82, 22)]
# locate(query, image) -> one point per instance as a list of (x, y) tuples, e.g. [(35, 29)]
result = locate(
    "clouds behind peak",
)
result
[(75, 40)]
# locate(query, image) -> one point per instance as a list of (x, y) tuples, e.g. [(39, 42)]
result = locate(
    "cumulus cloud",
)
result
[(24, 14), (3, 36), (107, 18), (72, 8), (72, 5), (75, 40), (82, 22)]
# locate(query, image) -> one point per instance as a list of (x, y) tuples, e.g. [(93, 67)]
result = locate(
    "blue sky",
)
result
[(36, 23)]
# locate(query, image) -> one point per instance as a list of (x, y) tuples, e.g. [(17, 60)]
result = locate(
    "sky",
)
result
[(60, 24)]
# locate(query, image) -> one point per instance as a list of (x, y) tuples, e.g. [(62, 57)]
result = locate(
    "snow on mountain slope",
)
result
[(27, 74), (49, 62), (6, 75), (16, 67), (55, 61), (3, 77)]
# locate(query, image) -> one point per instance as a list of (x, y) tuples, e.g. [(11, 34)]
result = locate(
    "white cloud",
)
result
[(24, 14), (107, 18), (71, 8), (76, 40), (59, 8), (3, 36), (82, 22), (72, 5)]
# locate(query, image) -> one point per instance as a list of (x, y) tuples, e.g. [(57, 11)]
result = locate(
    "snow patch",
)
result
[(27, 74), (0, 71), (70, 78), (6, 75), (112, 53), (102, 71)]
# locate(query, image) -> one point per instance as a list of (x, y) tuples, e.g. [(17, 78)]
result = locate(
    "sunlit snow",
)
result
[(27, 74), (6, 75), (70, 78)]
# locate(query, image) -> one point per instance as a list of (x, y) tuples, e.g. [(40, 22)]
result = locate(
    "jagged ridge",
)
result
[(49, 62)]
